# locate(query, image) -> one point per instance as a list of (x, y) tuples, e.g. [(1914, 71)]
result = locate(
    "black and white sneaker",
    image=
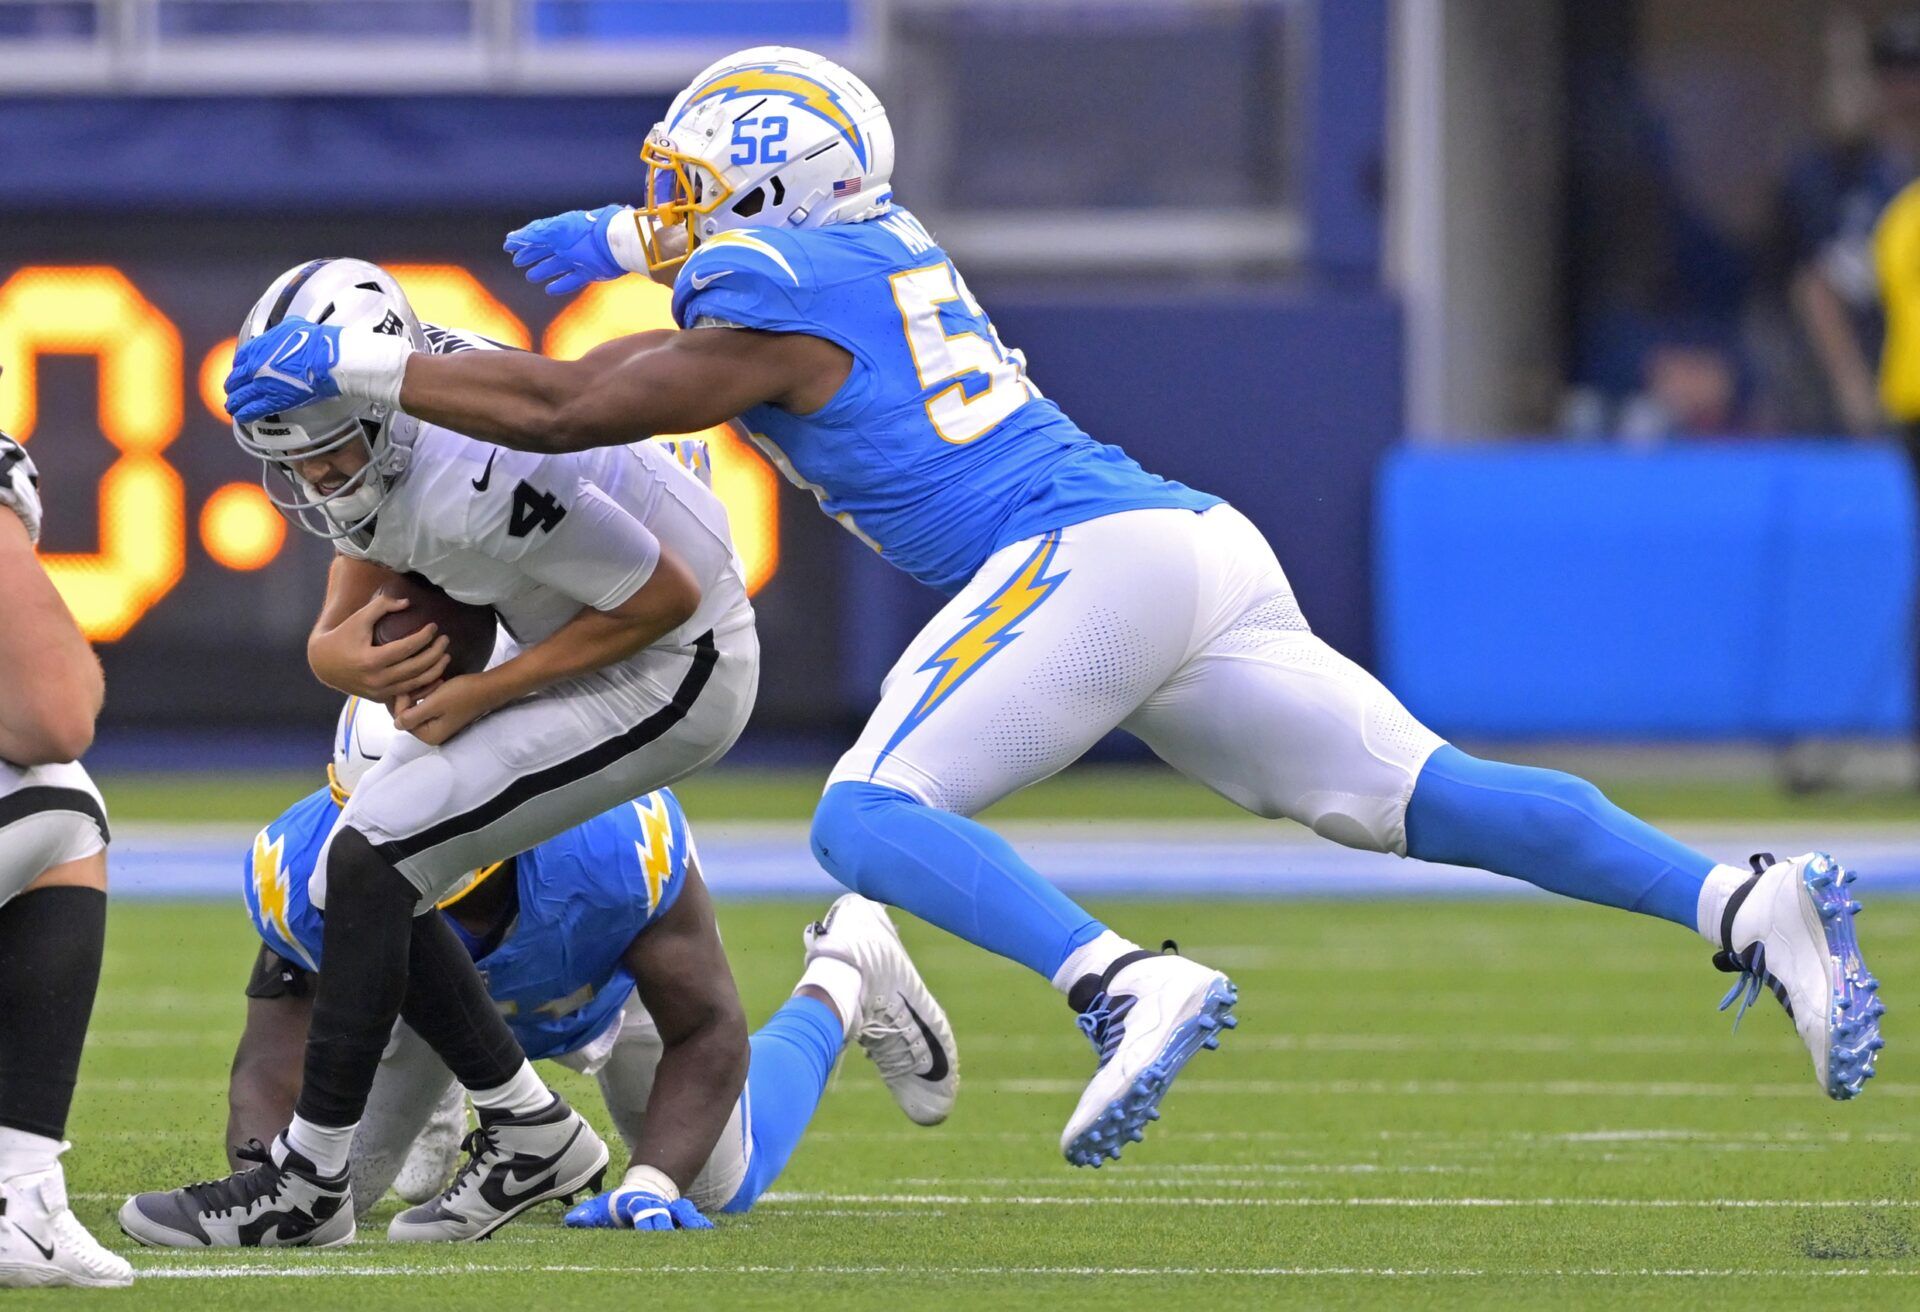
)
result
[(282, 1202), (515, 1162)]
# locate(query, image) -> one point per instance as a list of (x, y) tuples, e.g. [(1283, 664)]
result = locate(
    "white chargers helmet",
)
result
[(361, 737), (768, 137), (338, 293)]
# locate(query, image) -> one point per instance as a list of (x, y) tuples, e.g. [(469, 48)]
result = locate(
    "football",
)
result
[(469, 628)]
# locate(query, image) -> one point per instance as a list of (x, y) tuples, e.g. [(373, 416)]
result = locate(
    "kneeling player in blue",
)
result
[(1087, 594), (600, 948)]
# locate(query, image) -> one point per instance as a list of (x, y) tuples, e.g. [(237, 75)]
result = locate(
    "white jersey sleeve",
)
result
[(561, 531), (20, 485)]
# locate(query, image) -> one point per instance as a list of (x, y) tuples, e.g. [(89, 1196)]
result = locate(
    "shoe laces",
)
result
[(1750, 964), (242, 1189), (480, 1144), (1104, 1024), (79, 1242), (889, 1042)]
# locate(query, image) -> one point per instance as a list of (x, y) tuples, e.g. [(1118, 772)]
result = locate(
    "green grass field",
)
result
[(1082, 792), (1455, 1104)]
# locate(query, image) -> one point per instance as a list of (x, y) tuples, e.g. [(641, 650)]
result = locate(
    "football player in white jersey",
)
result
[(634, 663), (1086, 594), (53, 899)]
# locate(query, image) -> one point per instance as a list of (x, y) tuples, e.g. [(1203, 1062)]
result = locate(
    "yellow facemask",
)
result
[(680, 190)]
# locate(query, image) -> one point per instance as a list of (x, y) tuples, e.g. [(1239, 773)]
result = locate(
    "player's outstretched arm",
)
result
[(265, 1080), (624, 390), (53, 686), (687, 987)]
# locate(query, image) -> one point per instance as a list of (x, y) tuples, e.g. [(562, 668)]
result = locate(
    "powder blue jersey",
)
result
[(938, 450), (584, 896)]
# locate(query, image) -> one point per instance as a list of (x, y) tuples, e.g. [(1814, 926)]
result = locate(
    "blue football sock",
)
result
[(1552, 830), (793, 1054), (950, 872)]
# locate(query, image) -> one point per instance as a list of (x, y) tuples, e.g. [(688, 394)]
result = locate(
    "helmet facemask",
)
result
[(282, 442), (681, 189)]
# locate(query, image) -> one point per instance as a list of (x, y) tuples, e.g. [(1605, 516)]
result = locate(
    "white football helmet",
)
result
[(361, 737), (338, 293), (768, 137)]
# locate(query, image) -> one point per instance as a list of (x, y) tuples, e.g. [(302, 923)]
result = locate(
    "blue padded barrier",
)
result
[(1759, 589)]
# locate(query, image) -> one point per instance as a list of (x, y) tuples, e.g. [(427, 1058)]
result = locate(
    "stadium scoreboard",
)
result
[(159, 535)]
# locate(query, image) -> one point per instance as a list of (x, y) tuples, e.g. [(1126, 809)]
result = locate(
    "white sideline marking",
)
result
[(1109, 1200), (1305, 1272)]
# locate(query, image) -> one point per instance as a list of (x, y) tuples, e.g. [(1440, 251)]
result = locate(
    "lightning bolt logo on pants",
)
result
[(989, 628)]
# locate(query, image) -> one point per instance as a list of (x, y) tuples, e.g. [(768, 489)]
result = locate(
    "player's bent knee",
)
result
[(87, 872), (356, 870), (842, 834)]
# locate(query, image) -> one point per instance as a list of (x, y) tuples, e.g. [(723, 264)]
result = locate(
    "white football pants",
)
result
[(1180, 628), (49, 815)]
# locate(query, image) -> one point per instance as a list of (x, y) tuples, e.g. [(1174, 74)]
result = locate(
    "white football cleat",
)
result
[(1790, 929), (1151, 1013), (43, 1243), (902, 1027), (436, 1152), (516, 1163)]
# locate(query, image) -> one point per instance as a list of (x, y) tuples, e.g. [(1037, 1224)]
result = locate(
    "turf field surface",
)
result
[(1437, 1104), (1081, 792)]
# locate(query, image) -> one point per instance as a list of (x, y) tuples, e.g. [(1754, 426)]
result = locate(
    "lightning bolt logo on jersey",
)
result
[(583, 897), (938, 450)]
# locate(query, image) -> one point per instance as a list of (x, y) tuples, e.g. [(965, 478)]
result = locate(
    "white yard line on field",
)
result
[(1453, 1088), (415, 1270), (802, 1198), (1618, 1044)]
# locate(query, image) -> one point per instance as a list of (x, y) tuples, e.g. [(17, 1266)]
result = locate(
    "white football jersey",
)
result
[(20, 485), (538, 537)]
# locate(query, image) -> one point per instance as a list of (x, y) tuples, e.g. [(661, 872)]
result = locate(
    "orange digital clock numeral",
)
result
[(93, 310)]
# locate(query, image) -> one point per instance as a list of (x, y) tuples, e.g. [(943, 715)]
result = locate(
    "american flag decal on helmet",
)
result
[(847, 187)]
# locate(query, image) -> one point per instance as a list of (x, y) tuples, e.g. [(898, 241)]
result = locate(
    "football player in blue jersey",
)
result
[(600, 949), (1086, 593)]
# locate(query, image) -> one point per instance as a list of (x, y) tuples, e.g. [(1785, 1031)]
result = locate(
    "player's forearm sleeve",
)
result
[(623, 240), (598, 554), (372, 366)]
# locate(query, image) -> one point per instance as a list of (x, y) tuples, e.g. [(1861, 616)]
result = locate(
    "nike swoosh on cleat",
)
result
[(937, 1067), (46, 1250), (514, 1183), (486, 475)]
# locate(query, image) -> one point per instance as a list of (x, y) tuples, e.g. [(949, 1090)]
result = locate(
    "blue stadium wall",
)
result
[(1283, 397)]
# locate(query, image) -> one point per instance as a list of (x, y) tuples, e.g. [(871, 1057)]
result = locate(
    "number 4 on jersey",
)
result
[(533, 510)]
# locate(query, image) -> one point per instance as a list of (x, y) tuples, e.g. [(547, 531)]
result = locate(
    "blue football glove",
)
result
[(287, 366), (569, 248), (636, 1209)]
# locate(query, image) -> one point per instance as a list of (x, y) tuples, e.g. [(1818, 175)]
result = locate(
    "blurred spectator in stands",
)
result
[(1688, 386), (1830, 204)]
